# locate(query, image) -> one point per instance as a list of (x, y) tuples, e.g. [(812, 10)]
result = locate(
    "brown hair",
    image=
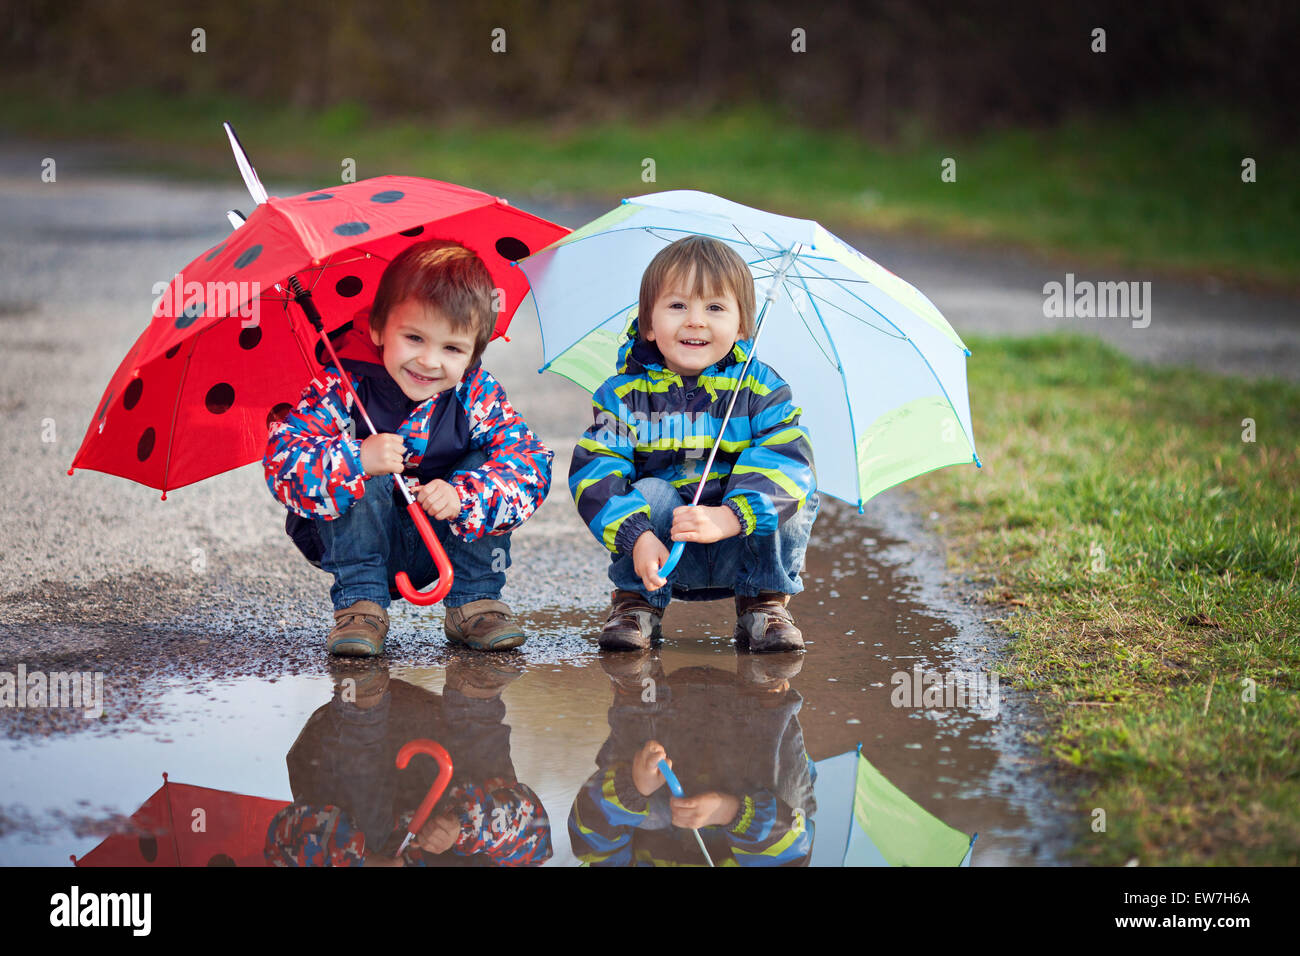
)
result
[(448, 277), (717, 268)]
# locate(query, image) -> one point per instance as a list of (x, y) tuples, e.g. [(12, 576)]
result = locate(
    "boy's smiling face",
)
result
[(692, 332), (422, 352)]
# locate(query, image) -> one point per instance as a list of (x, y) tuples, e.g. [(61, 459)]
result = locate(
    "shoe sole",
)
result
[(354, 647), (504, 642)]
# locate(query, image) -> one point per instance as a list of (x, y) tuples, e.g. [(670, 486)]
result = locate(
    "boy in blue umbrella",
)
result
[(634, 471), (445, 425)]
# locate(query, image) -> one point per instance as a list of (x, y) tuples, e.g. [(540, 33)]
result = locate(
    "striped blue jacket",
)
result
[(650, 423)]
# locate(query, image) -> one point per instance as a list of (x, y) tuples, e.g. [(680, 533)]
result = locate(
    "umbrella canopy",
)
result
[(226, 346), (864, 820), (878, 371), (184, 825)]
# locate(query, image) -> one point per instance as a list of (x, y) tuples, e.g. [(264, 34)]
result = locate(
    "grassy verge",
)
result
[(1159, 188), (1144, 557)]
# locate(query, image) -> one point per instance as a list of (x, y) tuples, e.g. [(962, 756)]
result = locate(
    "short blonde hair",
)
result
[(447, 276), (717, 268)]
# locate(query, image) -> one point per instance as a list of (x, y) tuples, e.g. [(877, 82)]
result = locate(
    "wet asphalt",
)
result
[(208, 626)]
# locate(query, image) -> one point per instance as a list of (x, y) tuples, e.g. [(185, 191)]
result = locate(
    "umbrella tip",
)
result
[(622, 202), (73, 858), (70, 470), (967, 351), (978, 463), (164, 496)]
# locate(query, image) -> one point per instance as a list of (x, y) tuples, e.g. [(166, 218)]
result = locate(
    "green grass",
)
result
[(1158, 188), (1144, 557)]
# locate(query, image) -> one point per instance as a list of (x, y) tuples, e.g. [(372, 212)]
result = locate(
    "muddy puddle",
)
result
[(542, 741)]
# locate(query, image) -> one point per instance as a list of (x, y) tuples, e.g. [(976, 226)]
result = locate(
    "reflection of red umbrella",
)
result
[(183, 825), (226, 350)]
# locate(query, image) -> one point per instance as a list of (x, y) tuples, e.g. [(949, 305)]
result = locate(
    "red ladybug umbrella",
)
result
[(232, 340)]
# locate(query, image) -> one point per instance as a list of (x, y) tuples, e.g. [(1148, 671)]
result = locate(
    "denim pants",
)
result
[(743, 565), (375, 538)]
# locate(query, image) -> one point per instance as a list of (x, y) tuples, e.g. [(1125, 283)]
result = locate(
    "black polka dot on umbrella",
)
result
[(351, 228), (148, 848), (171, 352), (132, 393), (221, 859), (248, 338), (348, 286), (388, 195), (216, 251), (144, 447), (248, 256), (278, 413), (321, 357), (413, 231), (512, 249), (319, 196), (220, 398), (191, 313)]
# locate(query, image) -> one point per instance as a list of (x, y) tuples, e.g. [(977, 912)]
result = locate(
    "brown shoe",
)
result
[(485, 625), (359, 630), (764, 623), (632, 624)]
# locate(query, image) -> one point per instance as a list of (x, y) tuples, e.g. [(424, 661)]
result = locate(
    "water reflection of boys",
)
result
[(352, 806), (734, 735)]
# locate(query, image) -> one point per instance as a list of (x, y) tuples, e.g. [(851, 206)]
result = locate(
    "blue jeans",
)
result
[(375, 538), (743, 565)]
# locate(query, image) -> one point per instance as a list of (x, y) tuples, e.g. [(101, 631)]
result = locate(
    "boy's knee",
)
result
[(658, 493)]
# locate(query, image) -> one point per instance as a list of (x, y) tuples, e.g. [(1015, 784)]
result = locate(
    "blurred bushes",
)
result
[(883, 68)]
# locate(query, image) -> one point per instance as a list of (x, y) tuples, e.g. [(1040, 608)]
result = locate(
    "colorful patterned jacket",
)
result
[(313, 454), (648, 422)]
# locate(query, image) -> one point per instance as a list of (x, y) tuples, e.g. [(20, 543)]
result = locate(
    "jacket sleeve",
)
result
[(768, 833), (607, 809), (774, 476), (504, 491), (504, 820), (311, 464), (601, 475)]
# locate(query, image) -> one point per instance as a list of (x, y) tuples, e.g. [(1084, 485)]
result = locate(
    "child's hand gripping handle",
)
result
[(440, 560), (436, 789)]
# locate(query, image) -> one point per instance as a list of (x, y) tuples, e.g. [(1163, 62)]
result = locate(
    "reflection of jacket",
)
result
[(719, 737), (313, 456), (345, 758), (649, 424)]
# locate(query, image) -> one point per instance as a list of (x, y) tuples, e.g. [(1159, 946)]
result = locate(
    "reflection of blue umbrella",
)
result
[(864, 820), (878, 371)]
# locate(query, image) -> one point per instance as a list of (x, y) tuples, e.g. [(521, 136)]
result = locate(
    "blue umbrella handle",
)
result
[(674, 785), (674, 556)]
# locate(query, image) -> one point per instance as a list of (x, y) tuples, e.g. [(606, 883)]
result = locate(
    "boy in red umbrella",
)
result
[(445, 425)]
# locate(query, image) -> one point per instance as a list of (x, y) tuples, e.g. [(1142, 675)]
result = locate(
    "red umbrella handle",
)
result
[(436, 789), (440, 561)]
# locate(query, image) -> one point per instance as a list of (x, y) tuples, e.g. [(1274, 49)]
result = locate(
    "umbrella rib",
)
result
[(970, 439), (853, 432), (180, 387)]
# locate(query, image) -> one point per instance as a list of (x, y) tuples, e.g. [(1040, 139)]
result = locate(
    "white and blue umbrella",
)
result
[(878, 371)]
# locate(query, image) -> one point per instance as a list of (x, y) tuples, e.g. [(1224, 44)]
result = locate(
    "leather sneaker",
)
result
[(632, 624), (484, 625), (359, 630), (764, 624)]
